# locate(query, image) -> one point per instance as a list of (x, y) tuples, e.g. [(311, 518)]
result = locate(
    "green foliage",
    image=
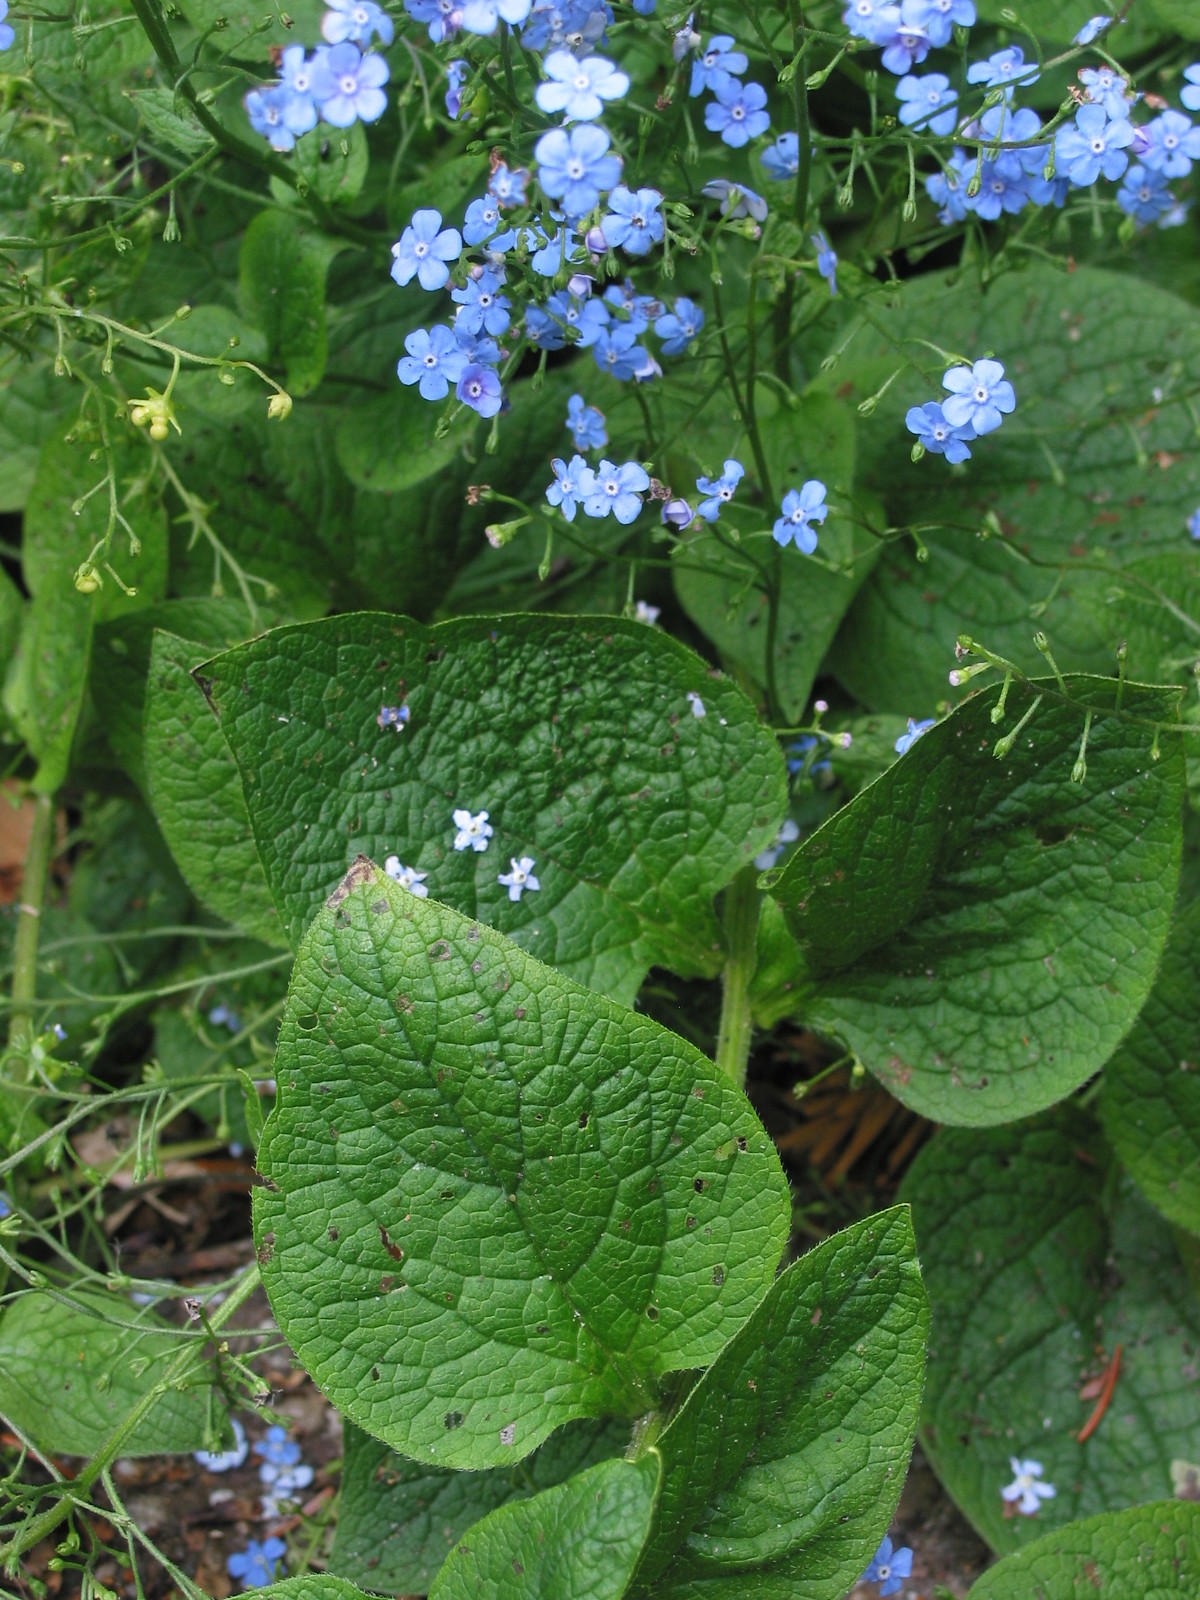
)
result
[(1145, 1553), (520, 1203), (931, 945), (281, 276)]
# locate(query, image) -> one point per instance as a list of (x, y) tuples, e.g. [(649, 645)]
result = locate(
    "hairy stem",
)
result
[(25, 944), (740, 918)]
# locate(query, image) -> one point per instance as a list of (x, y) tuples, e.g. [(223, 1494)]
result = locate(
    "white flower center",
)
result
[(1097, 147), (981, 394), (737, 112), (581, 81), (612, 487), (348, 84), (361, 15), (884, 1572), (300, 83), (1170, 140), (575, 168), (420, 248)]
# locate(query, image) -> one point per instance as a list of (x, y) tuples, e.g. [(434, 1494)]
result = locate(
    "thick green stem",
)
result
[(25, 943), (38, 1528), (740, 918)]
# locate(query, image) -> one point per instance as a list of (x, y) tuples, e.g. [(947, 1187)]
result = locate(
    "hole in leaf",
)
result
[(452, 1420), (718, 1276), (309, 1022), (652, 1313)]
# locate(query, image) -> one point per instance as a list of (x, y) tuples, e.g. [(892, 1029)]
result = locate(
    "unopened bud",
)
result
[(181, 312), (225, 377), (87, 579), (279, 405), (961, 675), (159, 430)]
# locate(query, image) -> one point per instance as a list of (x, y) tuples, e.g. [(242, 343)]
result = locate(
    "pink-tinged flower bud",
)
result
[(677, 514)]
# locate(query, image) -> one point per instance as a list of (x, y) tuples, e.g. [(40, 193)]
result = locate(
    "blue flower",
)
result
[(586, 424), (541, 329), (1193, 523), (788, 833), (906, 740), (579, 88), (477, 347), (356, 20), (632, 222), (782, 159), (889, 1567), (479, 388), (873, 20), (561, 22), (717, 65), (482, 220), (307, 80), (573, 482), (1105, 88), (929, 424), (928, 102), (1003, 69), (589, 318), (442, 17), (423, 250), (407, 877), (6, 32), (617, 489), (978, 396), (677, 514), (434, 361), (679, 326), (801, 508), (393, 717), (507, 184), (574, 166), (640, 309), (737, 199), (520, 878), (357, 86), (1092, 145), (277, 1448), (473, 831), (222, 1016), (278, 114), (719, 492), (616, 351), (908, 44), (256, 1565), (485, 16), (1092, 29), (1026, 1489), (941, 16), (483, 307), (1173, 143), (827, 261), (737, 114), (1190, 97), (1144, 195), (456, 71), (221, 1460), (799, 755), (948, 189)]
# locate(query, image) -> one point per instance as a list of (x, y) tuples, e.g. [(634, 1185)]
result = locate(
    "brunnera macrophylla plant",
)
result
[(477, 554)]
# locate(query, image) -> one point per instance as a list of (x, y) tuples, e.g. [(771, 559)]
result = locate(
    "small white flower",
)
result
[(225, 1460), (520, 878), (1025, 1488), (696, 704), (788, 834), (407, 877), (473, 832), (646, 613)]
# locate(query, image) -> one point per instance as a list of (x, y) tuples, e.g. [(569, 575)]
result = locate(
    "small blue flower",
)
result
[(257, 1564), (306, 78), (520, 878), (914, 731), (738, 113), (909, 43), (717, 65), (579, 88), (473, 831), (483, 307), (222, 1017), (541, 329), (393, 717), (929, 424), (1144, 195), (407, 877), (632, 223), (6, 32), (978, 396), (1092, 145), (357, 86), (640, 309), (737, 199), (588, 317), (224, 1460), (434, 362), (277, 1448), (423, 250), (677, 514), (948, 189), (719, 492), (508, 184), (479, 388), (873, 20), (477, 347), (679, 326), (278, 114), (788, 833), (941, 16), (928, 102), (552, 254), (1193, 523), (482, 220), (586, 424), (1003, 69), (616, 351), (456, 71), (782, 158), (485, 16), (827, 261), (574, 166), (617, 489), (889, 1567), (573, 482), (1105, 88), (799, 755), (1172, 143), (801, 508), (565, 22), (1092, 29), (356, 20), (442, 17)]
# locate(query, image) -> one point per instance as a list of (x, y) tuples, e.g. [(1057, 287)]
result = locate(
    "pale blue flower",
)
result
[(407, 877), (574, 166), (928, 102), (356, 20), (473, 831), (257, 1564), (1027, 1489), (435, 360), (738, 113), (520, 878), (357, 86), (579, 88), (718, 492), (573, 482), (979, 394), (889, 1568), (617, 489), (423, 250), (800, 510)]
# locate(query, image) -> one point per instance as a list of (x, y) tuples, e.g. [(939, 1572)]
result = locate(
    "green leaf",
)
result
[(576, 736), (1086, 478), (1058, 21), (1147, 1553), (391, 442), (312, 1586), (28, 414), (816, 439), (196, 794), (281, 283), (782, 1470), (399, 1519), (579, 1541), (333, 162), (933, 946), (494, 1201), (69, 1373), (170, 119), (1150, 1095), (1035, 1275)]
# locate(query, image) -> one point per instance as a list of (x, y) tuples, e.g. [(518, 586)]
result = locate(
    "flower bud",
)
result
[(87, 579), (279, 405)]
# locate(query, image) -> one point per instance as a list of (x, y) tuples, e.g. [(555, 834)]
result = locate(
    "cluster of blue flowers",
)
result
[(473, 831), (906, 32), (738, 111), (337, 84), (980, 398)]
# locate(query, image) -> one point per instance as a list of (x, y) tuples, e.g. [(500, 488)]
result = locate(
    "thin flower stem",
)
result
[(739, 918)]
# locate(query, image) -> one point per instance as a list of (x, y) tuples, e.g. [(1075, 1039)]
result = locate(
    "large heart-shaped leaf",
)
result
[(1146, 1553), (577, 737), (1034, 1281), (958, 917), (495, 1201), (783, 1467)]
